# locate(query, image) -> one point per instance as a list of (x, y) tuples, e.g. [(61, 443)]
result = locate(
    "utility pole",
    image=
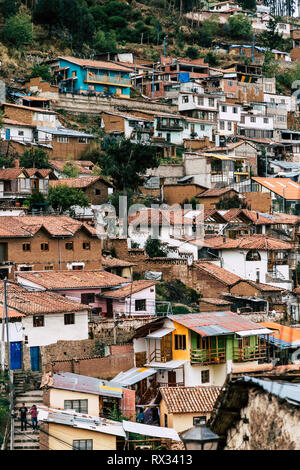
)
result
[(3, 336), (10, 372)]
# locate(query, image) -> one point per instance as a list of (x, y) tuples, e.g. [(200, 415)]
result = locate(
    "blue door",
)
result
[(35, 357), (7, 134), (16, 355)]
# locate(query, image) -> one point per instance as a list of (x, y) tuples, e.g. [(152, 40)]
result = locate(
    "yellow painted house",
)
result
[(198, 349)]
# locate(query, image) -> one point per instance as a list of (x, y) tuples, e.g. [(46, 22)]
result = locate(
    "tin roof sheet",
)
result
[(160, 333), (153, 431), (134, 375), (285, 390)]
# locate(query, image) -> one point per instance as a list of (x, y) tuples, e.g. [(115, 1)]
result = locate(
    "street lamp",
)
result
[(200, 437)]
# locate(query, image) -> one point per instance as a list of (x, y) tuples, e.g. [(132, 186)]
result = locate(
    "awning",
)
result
[(262, 331), (160, 333), (174, 364), (153, 431)]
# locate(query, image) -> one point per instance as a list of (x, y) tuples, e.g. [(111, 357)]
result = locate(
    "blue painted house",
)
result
[(91, 76)]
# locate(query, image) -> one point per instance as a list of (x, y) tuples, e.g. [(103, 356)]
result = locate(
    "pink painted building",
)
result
[(107, 293)]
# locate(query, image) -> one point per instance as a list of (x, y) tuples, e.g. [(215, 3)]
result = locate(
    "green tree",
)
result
[(153, 248), (35, 158), (126, 162), (270, 65), (192, 52), (61, 198), (240, 27), (105, 41), (18, 30), (47, 12), (41, 70), (35, 200), (209, 29), (70, 170), (10, 8)]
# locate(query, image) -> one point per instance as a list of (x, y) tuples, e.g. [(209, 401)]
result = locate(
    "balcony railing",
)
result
[(160, 356), (95, 78), (208, 356), (249, 353)]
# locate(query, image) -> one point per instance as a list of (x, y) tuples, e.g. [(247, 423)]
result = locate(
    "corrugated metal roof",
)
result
[(84, 384), (153, 431), (134, 375), (170, 365), (285, 390), (229, 321), (63, 131), (263, 331), (213, 330), (160, 333)]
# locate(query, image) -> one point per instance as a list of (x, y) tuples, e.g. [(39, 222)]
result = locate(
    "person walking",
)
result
[(34, 412), (23, 416)]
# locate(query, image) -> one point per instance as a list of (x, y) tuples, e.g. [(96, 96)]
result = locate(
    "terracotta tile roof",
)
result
[(255, 242), (61, 280), (28, 226), (214, 323), (16, 123), (80, 164), (78, 183), (97, 64), (195, 399), (217, 272), (30, 303), (11, 312), (29, 108), (125, 291), (258, 218), (284, 187), (284, 333), (214, 301), (115, 262), (10, 174), (215, 192), (159, 217), (261, 286)]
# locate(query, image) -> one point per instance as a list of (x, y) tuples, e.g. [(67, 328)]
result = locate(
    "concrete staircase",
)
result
[(26, 440)]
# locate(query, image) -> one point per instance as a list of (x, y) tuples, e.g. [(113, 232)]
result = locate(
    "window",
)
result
[(69, 319), (180, 342), (252, 119), (83, 444), (242, 119), (165, 420), (20, 132), (266, 120), (97, 192), (200, 101), (211, 102), (62, 140), (140, 305), (82, 140), (253, 255), (205, 376), (25, 268), (222, 125), (69, 246), (77, 267), (224, 109), (229, 126), (38, 320), (257, 91), (45, 246), (86, 245), (230, 83), (199, 420), (185, 99), (49, 267), (234, 110), (88, 298), (26, 246), (202, 127)]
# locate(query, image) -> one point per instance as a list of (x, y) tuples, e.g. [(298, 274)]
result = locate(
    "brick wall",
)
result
[(71, 150), (100, 367), (55, 256), (113, 123), (259, 201), (44, 438), (177, 194)]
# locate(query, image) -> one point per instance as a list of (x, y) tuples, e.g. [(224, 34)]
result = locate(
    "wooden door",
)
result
[(171, 378)]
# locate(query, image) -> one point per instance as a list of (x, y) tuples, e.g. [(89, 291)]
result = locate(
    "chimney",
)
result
[(17, 163)]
